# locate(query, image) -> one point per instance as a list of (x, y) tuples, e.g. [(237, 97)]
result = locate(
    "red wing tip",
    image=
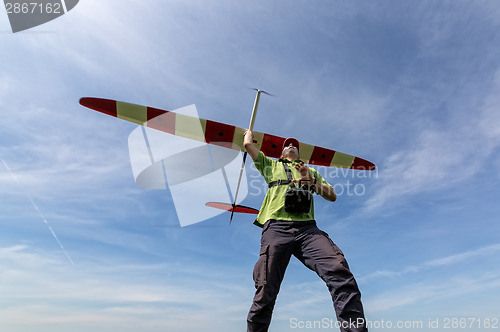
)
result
[(363, 165), (364, 168), (92, 101), (84, 101), (106, 106)]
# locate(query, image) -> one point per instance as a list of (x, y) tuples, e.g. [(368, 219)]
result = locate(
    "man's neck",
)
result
[(291, 157)]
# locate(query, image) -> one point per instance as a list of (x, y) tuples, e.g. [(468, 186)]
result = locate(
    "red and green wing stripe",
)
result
[(219, 133)]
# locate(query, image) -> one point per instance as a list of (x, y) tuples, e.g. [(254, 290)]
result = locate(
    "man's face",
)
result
[(290, 149)]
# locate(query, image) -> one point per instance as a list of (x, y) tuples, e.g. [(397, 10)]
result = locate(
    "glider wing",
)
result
[(219, 133)]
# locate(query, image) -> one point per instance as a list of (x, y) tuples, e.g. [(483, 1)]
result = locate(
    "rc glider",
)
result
[(224, 135)]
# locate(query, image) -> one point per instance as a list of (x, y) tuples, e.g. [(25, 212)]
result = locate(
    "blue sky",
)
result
[(412, 86)]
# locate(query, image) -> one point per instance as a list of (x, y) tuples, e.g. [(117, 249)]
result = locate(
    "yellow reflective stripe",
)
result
[(342, 160), (131, 112), (259, 137), (190, 127), (238, 138), (305, 152)]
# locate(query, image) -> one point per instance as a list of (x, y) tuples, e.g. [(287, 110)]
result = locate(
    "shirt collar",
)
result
[(283, 160)]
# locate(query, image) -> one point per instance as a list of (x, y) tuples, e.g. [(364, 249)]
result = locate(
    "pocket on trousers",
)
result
[(337, 250), (260, 270)]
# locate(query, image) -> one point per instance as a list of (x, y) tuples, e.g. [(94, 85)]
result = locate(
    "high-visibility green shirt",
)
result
[(273, 206)]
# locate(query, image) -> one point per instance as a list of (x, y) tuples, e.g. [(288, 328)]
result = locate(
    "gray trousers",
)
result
[(314, 248)]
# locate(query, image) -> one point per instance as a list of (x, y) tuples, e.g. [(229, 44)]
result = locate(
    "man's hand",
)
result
[(327, 192), (305, 176), (247, 137), (249, 146)]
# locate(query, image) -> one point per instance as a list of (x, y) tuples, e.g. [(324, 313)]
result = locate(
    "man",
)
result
[(295, 233)]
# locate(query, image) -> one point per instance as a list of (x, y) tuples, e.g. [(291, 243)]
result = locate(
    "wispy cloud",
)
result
[(428, 283), (434, 263), (37, 209), (433, 291), (408, 86), (438, 158), (86, 294)]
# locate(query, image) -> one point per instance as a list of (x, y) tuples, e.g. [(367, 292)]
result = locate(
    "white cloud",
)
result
[(440, 158), (434, 263), (489, 118), (44, 291), (434, 291), (75, 165)]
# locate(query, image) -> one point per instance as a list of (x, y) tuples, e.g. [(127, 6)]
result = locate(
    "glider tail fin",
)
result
[(232, 208)]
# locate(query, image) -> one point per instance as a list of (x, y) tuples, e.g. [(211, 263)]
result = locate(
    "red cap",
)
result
[(291, 140)]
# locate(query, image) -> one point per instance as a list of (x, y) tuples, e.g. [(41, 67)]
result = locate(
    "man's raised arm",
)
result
[(249, 146)]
